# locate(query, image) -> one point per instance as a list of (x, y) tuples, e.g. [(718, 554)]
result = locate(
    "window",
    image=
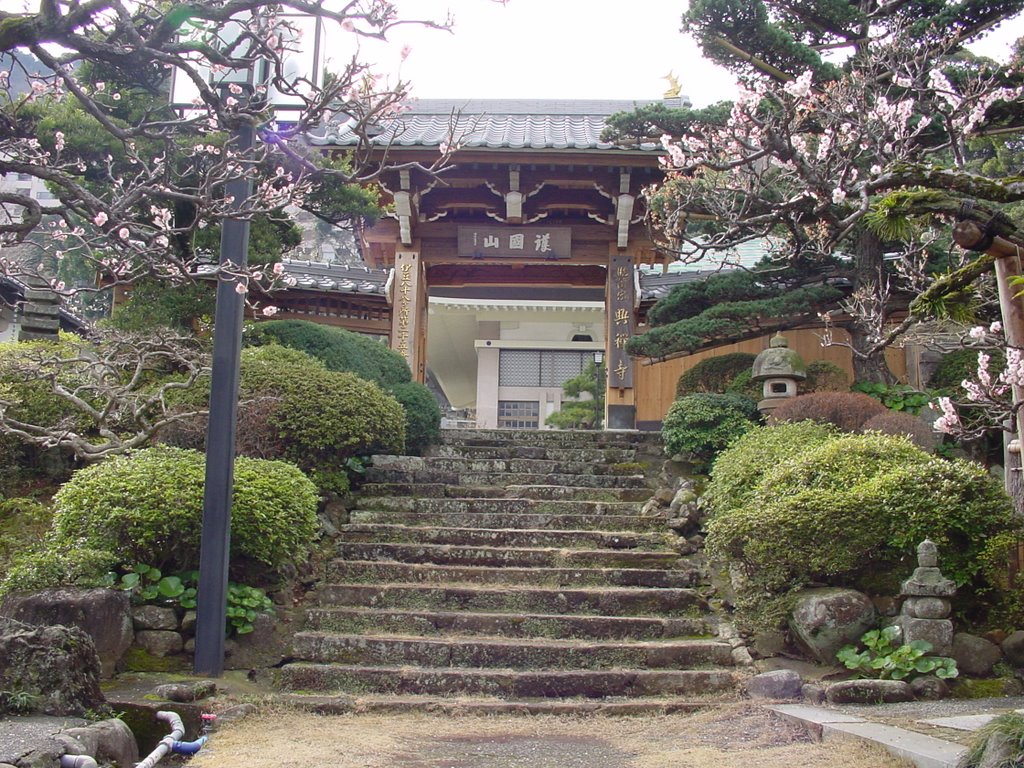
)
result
[(518, 414), (540, 367)]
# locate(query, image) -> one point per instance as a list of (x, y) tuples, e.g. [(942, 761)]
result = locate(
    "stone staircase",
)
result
[(511, 570)]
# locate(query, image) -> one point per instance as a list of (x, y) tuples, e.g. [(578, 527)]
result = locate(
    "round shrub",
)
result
[(920, 432), (292, 407), (337, 349), (714, 374), (422, 416), (823, 376), (703, 424), (850, 511), (739, 469), (847, 410), (743, 384), (147, 507)]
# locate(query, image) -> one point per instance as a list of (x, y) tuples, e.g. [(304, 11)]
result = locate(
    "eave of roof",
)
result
[(519, 124)]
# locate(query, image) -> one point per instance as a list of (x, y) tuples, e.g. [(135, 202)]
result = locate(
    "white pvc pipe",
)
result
[(77, 761), (177, 731)]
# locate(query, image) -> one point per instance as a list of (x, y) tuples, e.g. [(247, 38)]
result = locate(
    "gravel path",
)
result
[(739, 736)]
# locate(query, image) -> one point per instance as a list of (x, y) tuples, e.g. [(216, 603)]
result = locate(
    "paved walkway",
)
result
[(929, 734)]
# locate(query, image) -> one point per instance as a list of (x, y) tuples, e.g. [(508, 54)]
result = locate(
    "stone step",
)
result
[(501, 506), (576, 493), (576, 438), (512, 451), (519, 654), (389, 572), (520, 557), (508, 539), (634, 601), (497, 478), (474, 464), (427, 623), (431, 491), (516, 521), (505, 683), (492, 706)]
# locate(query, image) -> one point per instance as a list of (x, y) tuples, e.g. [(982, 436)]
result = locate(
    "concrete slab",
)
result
[(962, 722), (923, 751)]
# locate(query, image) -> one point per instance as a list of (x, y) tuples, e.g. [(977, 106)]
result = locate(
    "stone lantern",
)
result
[(779, 368)]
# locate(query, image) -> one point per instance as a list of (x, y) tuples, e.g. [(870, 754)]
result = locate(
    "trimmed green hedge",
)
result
[(336, 348), (147, 507), (715, 374), (845, 510), (704, 423), (422, 416), (341, 350)]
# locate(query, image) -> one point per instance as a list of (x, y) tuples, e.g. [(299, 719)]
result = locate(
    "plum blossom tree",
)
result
[(132, 185), (821, 158), (135, 183)]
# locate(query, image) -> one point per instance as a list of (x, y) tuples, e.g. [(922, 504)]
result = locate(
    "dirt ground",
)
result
[(739, 736)]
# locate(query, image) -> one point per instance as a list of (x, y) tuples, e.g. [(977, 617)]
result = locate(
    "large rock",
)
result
[(869, 692), (109, 741), (826, 619), (775, 685), (975, 656), (1013, 648), (159, 642), (154, 617), (103, 614), (55, 667)]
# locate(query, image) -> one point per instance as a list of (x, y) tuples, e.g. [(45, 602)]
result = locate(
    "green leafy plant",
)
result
[(20, 701), (149, 586), (885, 659), (895, 397)]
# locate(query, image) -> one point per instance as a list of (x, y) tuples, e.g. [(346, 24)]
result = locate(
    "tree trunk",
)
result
[(868, 275)]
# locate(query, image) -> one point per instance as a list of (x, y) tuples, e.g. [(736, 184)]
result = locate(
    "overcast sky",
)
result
[(584, 49)]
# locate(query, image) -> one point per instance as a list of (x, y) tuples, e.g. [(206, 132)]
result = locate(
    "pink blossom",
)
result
[(240, 288), (100, 219), (279, 268), (949, 420), (996, 327), (58, 140), (977, 332), (101, 87), (123, 233), (269, 311)]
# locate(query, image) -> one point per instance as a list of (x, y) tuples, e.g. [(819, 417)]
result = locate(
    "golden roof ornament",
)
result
[(674, 88)]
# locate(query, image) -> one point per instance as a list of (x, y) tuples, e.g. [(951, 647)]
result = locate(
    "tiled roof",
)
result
[(494, 124), (336, 278), (654, 286), (311, 275)]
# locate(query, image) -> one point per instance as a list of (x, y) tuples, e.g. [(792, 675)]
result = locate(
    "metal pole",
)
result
[(211, 601)]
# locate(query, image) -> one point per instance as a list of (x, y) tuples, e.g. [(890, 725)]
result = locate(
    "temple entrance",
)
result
[(515, 265)]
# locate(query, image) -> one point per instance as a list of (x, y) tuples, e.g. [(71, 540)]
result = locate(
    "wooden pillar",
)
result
[(409, 312), (620, 295), (1008, 267)]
